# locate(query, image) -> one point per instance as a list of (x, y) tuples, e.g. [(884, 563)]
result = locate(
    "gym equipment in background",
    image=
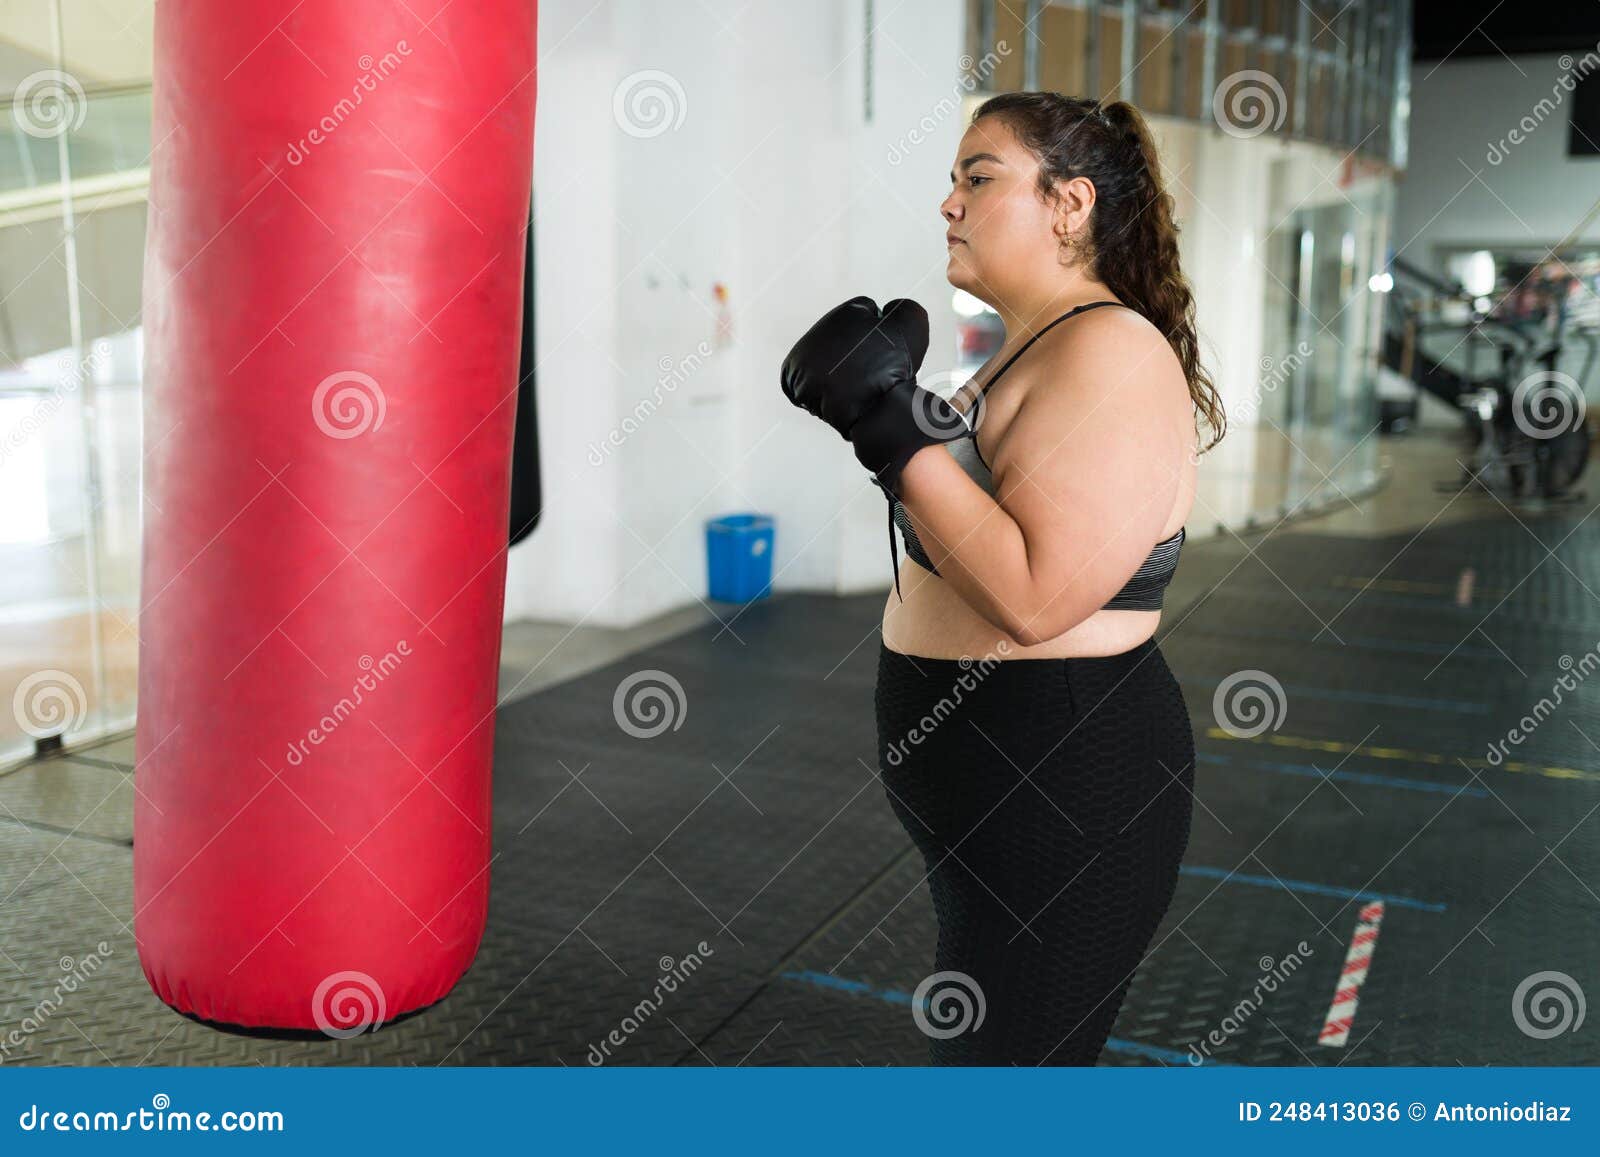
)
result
[(1524, 420)]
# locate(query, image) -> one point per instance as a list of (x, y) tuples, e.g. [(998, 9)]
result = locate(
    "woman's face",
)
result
[(999, 231)]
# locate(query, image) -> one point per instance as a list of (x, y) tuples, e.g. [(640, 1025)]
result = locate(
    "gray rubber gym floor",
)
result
[(757, 825)]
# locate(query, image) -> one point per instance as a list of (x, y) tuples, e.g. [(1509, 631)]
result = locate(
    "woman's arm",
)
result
[(1085, 478)]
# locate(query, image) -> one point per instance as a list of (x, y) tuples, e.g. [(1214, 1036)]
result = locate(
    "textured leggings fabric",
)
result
[(1051, 801)]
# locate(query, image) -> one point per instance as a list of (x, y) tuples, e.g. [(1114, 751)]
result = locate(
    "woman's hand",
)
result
[(844, 364), (856, 369), (906, 419)]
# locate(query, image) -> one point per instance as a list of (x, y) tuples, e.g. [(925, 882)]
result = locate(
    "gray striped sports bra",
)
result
[(1142, 592)]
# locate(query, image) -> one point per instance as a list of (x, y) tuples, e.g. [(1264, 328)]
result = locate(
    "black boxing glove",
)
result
[(906, 419), (855, 354)]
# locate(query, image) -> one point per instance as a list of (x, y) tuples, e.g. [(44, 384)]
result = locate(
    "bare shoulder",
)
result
[(1111, 349), (1106, 365)]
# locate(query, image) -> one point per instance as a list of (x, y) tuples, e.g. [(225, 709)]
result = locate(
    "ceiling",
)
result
[(1454, 28)]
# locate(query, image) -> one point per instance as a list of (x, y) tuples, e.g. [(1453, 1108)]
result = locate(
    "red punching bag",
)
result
[(338, 195)]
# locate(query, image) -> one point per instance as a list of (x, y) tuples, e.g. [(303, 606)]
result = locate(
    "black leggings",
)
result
[(1050, 799)]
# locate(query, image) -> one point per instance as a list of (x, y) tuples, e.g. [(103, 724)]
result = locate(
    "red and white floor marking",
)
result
[(1342, 1012)]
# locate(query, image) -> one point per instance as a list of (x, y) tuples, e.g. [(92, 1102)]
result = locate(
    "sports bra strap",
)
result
[(1070, 313)]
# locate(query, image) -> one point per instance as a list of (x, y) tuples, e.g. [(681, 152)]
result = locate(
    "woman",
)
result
[(1032, 740)]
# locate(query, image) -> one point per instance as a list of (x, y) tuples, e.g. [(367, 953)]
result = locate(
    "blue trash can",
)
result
[(739, 557)]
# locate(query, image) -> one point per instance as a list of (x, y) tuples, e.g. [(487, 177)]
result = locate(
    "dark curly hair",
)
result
[(1133, 241)]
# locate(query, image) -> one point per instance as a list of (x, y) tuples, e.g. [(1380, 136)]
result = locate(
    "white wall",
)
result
[(771, 183), (1463, 113), (1221, 187), (565, 567), (900, 166)]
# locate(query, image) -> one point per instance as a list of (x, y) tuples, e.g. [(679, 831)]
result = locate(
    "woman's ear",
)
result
[(1075, 197)]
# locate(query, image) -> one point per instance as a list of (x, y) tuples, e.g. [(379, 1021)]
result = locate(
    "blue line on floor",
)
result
[(1425, 704), (856, 987), (900, 996), (1171, 1056), (1344, 776), (1307, 886)]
